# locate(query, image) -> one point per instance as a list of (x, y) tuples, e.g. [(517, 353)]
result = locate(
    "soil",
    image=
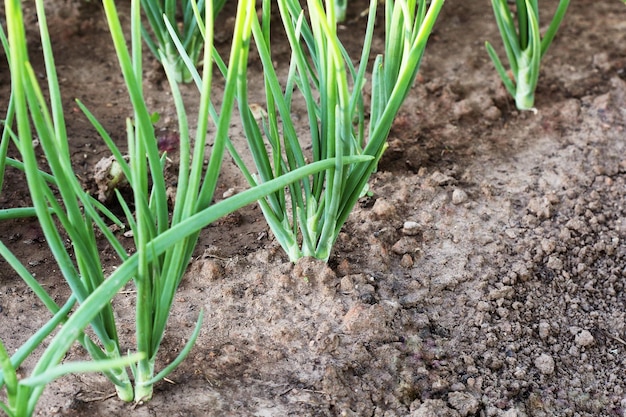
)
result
[(485, 276)]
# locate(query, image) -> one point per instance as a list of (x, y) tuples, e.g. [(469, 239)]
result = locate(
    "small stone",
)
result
[(464, 403), (411, 228), (439, 384), (459, 196), (426, 217), (601, 61), (346, 285), (406, 261), (545, 364), (540, 207), (574, 330), (354, 317), (483, 306), (578, 224), (432, 408), (404, 245), (584, 338), (383, 208), (440, 179), (505, 291), (229, 193), (548, 245), (521, 270), (210, 270), (555, 263)]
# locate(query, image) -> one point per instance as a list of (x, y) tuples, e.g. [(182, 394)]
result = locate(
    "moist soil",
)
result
[(484, 275)]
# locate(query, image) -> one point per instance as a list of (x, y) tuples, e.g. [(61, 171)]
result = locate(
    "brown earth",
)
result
[(484, 277)]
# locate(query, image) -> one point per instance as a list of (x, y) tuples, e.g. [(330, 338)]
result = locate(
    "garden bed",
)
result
[(484, 276)]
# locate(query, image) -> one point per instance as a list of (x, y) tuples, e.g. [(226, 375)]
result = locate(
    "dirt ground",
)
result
[(484, 277)]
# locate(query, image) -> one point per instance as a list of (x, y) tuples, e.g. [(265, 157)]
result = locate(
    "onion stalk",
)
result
[(164, 239), (524, 47)]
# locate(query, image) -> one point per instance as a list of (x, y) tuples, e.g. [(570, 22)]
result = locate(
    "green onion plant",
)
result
[(341, 7), (5, 140), (524, 47), (8, 118), (164, 239), (307, 217), (22, 394), (182, 15)]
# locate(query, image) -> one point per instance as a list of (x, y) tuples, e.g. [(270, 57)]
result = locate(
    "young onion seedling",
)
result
[(182, 16), (341, 6), (307, 217), (8, 119), (83, 272), (524, 47), (164, 240), (22, 394)]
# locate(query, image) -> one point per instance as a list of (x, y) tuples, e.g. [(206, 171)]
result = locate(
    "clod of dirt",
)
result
[(434, 408), (545, 364), (584, 338), (383, 209), (466, 404), (405, 245), (316, 272)]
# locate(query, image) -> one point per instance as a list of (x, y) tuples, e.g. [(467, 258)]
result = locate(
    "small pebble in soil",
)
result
[(584, 338), (383, 209), (459, 196), (229, 193), (437, 178), (432, 408), (548, 245), (210, 270), (411, 228), (555, 263), (540, 207), (346, 285), (545, 364), (464, 403), (404, 245), (406, 261), (601, 61)]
